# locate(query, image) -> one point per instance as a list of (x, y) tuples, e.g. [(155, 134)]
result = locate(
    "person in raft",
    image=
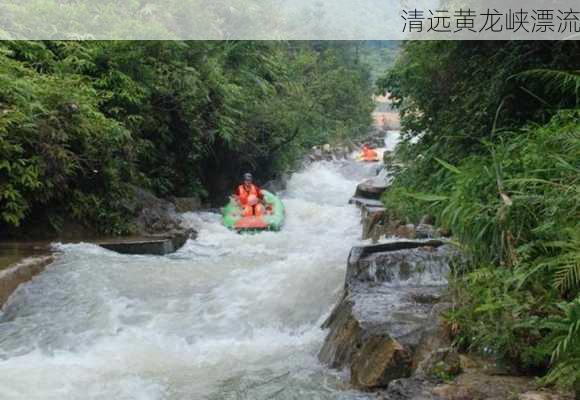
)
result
[(250, 197), (368, 153)]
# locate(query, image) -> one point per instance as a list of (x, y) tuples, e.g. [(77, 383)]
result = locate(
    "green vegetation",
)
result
[(492, 149), (380, 55), (80, 122)]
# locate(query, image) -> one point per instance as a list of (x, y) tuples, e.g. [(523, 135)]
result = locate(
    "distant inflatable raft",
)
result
[(272, 220), (369, 155)]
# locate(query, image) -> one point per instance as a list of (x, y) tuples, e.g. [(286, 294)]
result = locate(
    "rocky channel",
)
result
[(387, 333), (388, 310)]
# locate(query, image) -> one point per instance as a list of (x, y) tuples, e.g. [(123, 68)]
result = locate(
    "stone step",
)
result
[(158, 247), (148, 245), (373, 188), (364, 202)]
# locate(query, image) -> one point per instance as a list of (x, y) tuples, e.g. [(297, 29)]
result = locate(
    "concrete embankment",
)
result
[(21, 272)]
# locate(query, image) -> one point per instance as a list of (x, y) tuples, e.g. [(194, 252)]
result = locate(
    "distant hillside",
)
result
[(380, 55)]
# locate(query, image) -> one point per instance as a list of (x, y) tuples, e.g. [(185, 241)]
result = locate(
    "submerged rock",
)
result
[(385, 312)]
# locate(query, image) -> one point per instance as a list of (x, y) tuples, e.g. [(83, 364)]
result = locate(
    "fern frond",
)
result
[(572, 335), (559, 82)]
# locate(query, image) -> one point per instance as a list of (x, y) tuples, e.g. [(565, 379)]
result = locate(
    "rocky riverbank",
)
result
[(387, 312), (388, 331)]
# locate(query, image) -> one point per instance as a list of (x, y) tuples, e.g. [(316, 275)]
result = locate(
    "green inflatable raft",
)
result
[(272, 220)]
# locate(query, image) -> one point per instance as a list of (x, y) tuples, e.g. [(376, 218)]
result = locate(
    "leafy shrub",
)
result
[(81, 120), (53, 142), (492, 149)]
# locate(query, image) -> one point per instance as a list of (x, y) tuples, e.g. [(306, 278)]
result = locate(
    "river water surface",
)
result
[(227, 317)]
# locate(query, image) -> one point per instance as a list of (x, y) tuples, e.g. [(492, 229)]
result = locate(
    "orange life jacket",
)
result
[(243, 194), (369, 154)]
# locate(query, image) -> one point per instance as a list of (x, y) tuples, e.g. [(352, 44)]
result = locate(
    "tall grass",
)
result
[(515, 208)]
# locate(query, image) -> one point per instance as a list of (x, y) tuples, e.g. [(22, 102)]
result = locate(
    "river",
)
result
[(227, 317)]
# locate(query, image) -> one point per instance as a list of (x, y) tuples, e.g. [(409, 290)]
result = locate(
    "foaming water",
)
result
[(392, 138), (227, 317)]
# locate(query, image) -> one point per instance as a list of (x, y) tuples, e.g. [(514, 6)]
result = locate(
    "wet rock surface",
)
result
[(377, 224), (409, 389), (380, 322), (19, 273), (479, 380), (374, 188), (376, 219), (187, 204), (153, 215), (327, 152), (372, 220), (161, 244), (157, 226)]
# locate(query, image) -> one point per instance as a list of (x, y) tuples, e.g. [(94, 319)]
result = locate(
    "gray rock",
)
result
[(158, 244), (316, 154), (153, 215), (373, 219), (409, 389), (408, 231), (374, 188), (187, 204), (537, 395), (360, 202), (382, 318), (157, 227), (427, 219), (426, 231)]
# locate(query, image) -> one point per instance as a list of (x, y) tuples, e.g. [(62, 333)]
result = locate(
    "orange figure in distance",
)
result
[(369, 154)]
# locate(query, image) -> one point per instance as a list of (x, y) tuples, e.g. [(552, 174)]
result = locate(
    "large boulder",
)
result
[(157, 225), (153, 216), (381, 320)]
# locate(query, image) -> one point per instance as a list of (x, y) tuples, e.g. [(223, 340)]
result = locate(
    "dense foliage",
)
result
[(81, 121), (492, 149)]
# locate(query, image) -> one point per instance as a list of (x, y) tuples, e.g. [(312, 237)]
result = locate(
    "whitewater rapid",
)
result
[(227, 317)]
